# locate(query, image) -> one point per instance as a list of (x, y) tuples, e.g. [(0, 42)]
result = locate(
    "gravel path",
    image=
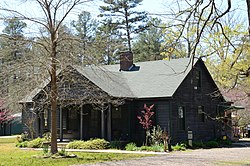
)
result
[(201, 157)]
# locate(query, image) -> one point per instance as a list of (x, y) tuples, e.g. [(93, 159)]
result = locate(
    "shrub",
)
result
[(62, 152), (47, 136), (131, 146), (225, 142), (156, 135), (23, 137), (36, 143), (153, 148), (45, 150), (212, 144), (199, 144), (156, 148), (96, 144), (22, 144), (75, 145), (115, 145), (91, 144), (179, 147), (144, 148)]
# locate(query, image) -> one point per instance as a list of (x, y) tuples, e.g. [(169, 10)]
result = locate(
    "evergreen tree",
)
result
[(13, 42), (85, 28), (127, 19), (148, 44), (109, 42)]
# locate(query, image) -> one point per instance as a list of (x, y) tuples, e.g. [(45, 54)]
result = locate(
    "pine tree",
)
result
[(127, 18)]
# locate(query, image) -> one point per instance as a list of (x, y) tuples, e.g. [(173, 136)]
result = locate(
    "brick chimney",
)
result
[(126, 61)]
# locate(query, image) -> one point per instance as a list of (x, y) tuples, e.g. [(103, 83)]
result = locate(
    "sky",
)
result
[(151, 6)]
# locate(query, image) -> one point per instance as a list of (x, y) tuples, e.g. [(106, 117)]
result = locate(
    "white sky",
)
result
[(152, 6)]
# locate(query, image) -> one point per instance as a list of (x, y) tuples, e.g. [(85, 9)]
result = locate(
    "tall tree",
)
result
[(85, 28), (13, 38), (148, 43), (54, 14), (204, 16), (13, 54), (127, 18), (109, 42)]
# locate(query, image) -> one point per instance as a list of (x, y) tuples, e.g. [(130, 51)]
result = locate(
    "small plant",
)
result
[(145, 120), (47, 136), (23, 137), (153, 148), (179, 147), (36, 143), (157, 148), (46, 149), (22, 144), (115, 144), (199, 144), (62, 152), (131, 147), (212, 144), (224, 142), (156, 135)]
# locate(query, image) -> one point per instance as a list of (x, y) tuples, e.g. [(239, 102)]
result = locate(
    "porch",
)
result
[(83, 122)]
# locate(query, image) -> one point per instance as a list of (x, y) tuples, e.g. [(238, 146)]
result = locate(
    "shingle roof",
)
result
[(154, 79)]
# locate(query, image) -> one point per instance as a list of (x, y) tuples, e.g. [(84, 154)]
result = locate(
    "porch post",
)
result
[(103, 122), (109, 122), (61, 124), (81, 123)]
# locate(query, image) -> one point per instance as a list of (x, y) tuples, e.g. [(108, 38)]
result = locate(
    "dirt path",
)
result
[(202, 157)]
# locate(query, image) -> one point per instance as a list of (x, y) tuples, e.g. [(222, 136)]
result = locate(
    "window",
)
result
[(197, 79), (201, 113), (181, 117)]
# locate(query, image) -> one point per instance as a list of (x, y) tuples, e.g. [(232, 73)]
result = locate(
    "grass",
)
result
[(242, 162), (10, 155)]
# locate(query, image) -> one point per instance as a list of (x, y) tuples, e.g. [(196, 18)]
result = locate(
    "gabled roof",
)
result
[(154, 79)]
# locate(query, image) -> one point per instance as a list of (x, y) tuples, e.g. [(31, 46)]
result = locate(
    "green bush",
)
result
[(225, 142), (75, 145), (115, 145), (131, 146), (199, 144), (144, 148), (22, 144), (155, 148), (212, 144), (47, 136), (36, 143), (179, 147), (23, 137), (96, 144), (91, 144)]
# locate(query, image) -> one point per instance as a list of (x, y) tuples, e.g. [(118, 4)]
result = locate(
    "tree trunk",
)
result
[(127, 28), (248, 12), (53, 96)]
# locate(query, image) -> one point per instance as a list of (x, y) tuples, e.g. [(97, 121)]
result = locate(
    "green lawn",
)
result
[(10, 155)]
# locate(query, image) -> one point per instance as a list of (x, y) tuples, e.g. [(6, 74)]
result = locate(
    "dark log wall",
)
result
[(190, 96), (161, 117)]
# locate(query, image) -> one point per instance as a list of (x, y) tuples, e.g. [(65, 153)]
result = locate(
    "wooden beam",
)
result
[(103, 123), (81, 123), (61, 124), (109, 122)]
